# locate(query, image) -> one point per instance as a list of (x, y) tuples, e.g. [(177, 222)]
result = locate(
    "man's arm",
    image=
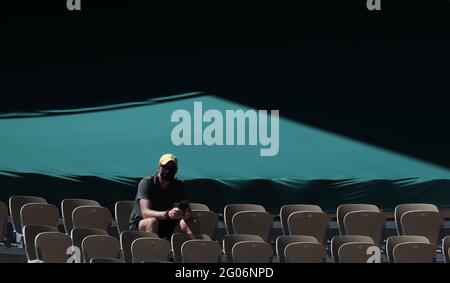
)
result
[(147, 212)]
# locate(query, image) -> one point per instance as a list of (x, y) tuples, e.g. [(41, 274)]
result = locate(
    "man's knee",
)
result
[(149, 225)]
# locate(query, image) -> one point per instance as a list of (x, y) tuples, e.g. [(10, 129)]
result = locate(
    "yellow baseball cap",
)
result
[(168, 157)]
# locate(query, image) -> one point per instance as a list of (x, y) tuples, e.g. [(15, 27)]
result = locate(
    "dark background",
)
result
[(379, 77)]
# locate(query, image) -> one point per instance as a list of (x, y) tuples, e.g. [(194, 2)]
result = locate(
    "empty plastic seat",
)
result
[(393, 241), (309, 223), (69, 205), (231, 209), (150, 249), (304, 252), (156, 261), (252, 252), (359, 253), (29, 234), (207, 221), (338, 241), (39, 214), (414, 253), (178, 239), (3, 217), (230, 240), (343, 209), (91, 217), (402, 208), (422, 223), (198, 206), (106, 260), (53, 247), (253, 223), (283, 241), (446, 248), (78, 234), (200, 251), (128, 237), (288, 209), (367, 223), (123, 211), (100, 246), (15, 205)]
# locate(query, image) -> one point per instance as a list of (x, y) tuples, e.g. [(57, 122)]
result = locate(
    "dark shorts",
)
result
[(165, 227)]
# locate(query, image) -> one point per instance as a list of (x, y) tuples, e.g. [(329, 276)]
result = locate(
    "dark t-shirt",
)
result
[(161, 199)]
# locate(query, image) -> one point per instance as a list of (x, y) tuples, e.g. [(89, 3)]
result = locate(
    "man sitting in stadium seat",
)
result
[(154, 209)]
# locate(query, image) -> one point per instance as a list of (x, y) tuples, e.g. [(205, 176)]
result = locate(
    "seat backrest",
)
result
[(402, 208), (29, 234), (150, 249), (177, 240), (304, 252), (287, 209), (69, 205), (309, 223), (393, 241), (343, 209), (15, 205), (39, 214), (414, 253), (200, 251), (52, 247), (207, 221), (198, 206), (100, 246), (445, 248), (252, 252), (91, 217), (155, 261), (123, 211), (230, 240), (368, 223), (231, 209), (253, 222), (338, 241), (78, 234), (422, 223), (128, 237), (356, 252), (105, 260), (3, 217), (283, 241)]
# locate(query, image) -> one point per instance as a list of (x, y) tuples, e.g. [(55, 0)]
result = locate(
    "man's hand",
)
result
[(175, 213)]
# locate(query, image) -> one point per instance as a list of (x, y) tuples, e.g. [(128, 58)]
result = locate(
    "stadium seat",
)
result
[(207, 221), (200, 251), (367, 223), (128, 237), (3, 217), (393, 241), (288, 209), (309, 223), (198, 206), (123, 211), (69, 205), (29, 235), (91, 217), (253, 223), (105, 260), (422, 223), (52, 247), (100, 246), (357, 253), (338, 241), (283, 241), (344, 209), (155, 261), (414, 253), (178, 239), (230, 240), (39, 214), (402, 208), (304, 252), (446, 248), (231, 209), (252, 252), (15, 205), (78, 235), (150, 249)]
